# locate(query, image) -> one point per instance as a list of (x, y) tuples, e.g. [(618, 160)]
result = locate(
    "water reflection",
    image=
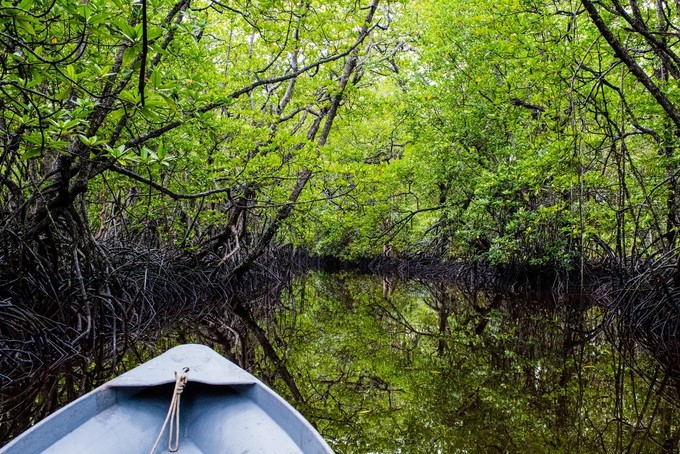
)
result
[(390, 366), (385, 365)]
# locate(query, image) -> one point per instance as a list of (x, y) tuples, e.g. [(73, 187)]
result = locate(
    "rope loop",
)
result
[(181, 380)]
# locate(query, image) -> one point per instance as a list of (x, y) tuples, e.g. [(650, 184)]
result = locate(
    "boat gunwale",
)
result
[(130, 383)]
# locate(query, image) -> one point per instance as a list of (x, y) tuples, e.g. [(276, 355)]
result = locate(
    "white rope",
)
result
[(181, 380)]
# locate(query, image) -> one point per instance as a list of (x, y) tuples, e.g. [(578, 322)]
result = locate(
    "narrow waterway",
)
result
[(384, 365), (423, 367)]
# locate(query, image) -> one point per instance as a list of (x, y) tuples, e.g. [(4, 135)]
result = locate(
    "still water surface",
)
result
[(423, 367), (383, 365)]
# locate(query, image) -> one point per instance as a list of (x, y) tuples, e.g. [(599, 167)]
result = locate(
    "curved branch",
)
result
[(632, 65), (247, 89), (162, 189)]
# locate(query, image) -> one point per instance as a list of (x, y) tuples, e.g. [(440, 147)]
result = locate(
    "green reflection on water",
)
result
[(407, 367), (423, 368)]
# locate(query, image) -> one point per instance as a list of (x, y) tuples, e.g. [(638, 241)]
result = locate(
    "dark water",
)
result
[(389, 366), (429, 367)]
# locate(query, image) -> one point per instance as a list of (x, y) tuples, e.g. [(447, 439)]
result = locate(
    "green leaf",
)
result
[(31, 153), (129, 55), (150, 113), (154, 32), (155, 79), (26, 25), (70, 124), (128, 31), (89, 141), (34, 137), (71, 72), (131, 96), (58, 144), (97, 19), (169, 102)]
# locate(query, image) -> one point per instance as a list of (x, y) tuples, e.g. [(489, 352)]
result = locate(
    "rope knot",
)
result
[(181, 380)]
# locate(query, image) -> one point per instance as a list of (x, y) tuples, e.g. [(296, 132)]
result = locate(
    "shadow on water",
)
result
[(407, 366), (384, 364)]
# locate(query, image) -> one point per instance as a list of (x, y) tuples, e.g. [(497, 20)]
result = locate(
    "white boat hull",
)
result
[(223, 410)]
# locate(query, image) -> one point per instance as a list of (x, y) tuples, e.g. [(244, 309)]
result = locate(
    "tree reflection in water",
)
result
[(386, 365), (405, 366)]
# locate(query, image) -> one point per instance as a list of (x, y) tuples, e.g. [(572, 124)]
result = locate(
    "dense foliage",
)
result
[(510, 131), (149, 144), (521, 131), (186, 124), (152, 152)]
